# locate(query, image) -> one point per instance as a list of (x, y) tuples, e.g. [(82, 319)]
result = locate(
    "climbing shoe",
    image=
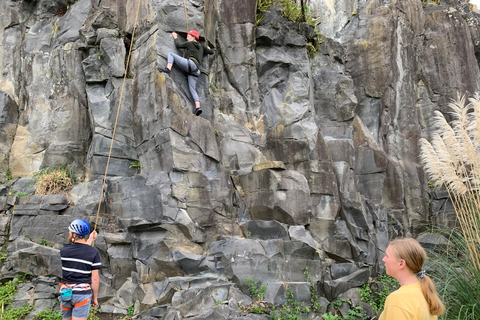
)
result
[(198, 112), (164, 70)]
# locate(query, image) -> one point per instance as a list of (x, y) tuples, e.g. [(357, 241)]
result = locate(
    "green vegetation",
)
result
[(136, 165), (54, 180), (330, 316), (48, 314), (131, 310), (215, 131), (292, 310), (9, 175), (354, 312), (451, 161), (314, 295), (92, 315), (42, 242), (256, 292), (17, 313), (98, 55), (375, 292), (22, 194), (8, 291), (456, 277), (292, 11)]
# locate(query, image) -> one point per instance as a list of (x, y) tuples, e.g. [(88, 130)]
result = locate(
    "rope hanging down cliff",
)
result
[(118, 112), (119, 104)]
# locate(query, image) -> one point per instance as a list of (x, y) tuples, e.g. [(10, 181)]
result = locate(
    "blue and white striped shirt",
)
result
[(78, 261)]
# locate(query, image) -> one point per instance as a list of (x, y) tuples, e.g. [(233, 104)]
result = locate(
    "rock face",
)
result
[(298, 161)]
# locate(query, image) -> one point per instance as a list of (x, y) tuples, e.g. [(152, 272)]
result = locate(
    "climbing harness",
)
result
[(67, 289), (193, 72)]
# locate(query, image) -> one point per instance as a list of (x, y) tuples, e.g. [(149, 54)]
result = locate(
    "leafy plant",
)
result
[(25, 236), (291, 310), (314, 294), (48, 314), (42, 242), (22, 194), (356, 312), (9, 175), (375, 292), (92, 314), (136, 164), (3, 256), (8, 290), (131, 310), (99, 55), (256, 291), (17, 313), (215, 131), (337, 303), (330, 316), (213, 87), (257, 310)]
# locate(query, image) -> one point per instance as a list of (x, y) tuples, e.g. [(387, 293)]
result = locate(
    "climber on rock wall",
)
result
[(194, 52)]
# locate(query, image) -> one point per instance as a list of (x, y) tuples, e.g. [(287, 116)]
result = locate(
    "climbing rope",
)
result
[(186, 16), (186, 19), (118, 112)]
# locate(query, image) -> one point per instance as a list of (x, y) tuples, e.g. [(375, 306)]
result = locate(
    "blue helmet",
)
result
[(80, 227)]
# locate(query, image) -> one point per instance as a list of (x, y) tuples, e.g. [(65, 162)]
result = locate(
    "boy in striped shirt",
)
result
[(80, 266)]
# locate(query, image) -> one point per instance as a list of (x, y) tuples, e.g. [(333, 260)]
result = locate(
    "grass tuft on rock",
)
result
[(53, 181)]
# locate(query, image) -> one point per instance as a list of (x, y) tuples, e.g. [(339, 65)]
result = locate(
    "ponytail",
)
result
[(430, 293), (414, 256)]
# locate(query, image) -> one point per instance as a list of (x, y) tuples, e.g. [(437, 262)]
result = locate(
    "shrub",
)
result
[(289, 311), (17, 313), (48, 314), (295, 12), (51, 181), (256, 292), (374, 293), (457, 278), (451, 161), (8, 291)]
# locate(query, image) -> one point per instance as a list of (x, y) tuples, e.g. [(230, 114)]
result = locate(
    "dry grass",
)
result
[(452, 160), (53, 182)]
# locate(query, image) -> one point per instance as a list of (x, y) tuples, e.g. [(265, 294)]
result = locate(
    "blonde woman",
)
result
[(417, 298)]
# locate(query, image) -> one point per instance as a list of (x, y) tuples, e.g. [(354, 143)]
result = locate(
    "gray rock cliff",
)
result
[(298, 160)]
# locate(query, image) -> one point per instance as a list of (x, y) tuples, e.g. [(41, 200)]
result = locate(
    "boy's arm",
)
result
[(95, 285), (92, 237)]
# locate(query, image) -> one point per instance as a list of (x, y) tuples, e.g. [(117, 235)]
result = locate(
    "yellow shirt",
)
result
[(407, 303)]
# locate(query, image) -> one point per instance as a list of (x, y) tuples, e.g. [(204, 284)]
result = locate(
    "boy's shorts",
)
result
[(82, 308)]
